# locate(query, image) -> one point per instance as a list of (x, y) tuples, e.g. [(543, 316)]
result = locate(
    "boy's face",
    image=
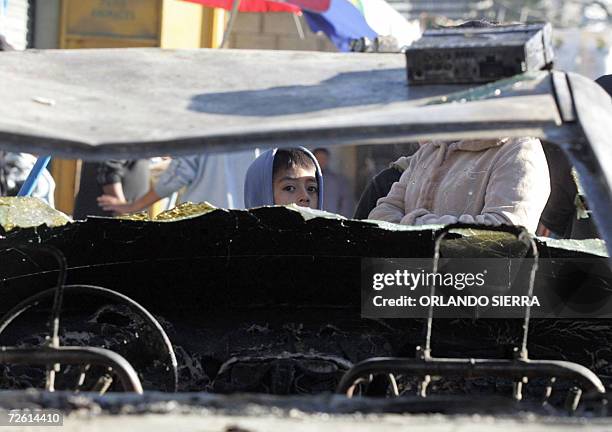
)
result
[(296, 185)]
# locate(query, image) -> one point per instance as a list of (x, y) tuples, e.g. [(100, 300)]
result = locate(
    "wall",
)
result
[(47, 24), (181, 25), (275, 31)]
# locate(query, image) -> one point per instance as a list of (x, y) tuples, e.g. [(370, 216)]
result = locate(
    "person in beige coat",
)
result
[(489, 182)]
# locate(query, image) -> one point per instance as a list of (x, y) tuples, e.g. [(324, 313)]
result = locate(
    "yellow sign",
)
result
[(133, 19)]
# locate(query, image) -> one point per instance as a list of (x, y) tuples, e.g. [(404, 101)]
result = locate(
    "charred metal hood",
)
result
[(94, 104)]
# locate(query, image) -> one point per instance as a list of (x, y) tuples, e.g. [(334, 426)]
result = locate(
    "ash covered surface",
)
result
[(242, 412), (256, 404), (268, 301)]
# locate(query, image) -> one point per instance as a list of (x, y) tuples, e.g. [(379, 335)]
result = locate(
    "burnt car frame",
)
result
[(289, 334)]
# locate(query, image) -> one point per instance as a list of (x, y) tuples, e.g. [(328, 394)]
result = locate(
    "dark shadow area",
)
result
[(354, 89), (349, 89)]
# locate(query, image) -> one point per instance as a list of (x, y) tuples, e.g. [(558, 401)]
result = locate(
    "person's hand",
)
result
[(114, 204)]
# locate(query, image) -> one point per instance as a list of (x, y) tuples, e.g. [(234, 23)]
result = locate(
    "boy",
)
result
[(284, 176)]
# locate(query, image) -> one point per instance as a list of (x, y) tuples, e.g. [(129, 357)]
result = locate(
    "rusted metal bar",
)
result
[(468, 368), (34, 300), (75, 356)]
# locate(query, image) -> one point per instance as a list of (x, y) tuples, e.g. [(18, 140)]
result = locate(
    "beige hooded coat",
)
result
[(488, 182)]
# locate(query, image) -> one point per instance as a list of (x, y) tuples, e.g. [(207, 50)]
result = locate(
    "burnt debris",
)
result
[(268, 300)]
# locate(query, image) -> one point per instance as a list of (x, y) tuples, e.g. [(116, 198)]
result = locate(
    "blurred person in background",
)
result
[(338, 194), (14, 170), (125, 180), (216, 178), (380, 185)]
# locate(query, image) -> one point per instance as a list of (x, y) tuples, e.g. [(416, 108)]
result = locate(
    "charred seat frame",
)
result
[(519, 369), (53, 355)]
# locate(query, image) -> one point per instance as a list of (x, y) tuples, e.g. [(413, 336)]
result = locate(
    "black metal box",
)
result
[(479, 55)]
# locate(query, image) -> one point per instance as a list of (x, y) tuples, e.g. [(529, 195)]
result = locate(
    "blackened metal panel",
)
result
[(592, 155), (142, 102)]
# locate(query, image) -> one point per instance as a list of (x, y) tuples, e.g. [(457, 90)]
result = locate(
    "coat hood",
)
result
[(258, 189)]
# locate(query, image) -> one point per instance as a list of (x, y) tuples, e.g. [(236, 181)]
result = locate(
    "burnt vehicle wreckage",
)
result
[(267, 300)]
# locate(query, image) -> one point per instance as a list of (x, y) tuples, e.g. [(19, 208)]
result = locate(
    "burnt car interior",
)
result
[(267, 300), (266, 323)]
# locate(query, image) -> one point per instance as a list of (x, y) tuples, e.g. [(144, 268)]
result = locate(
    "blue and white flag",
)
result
[(342, 23), (346, 20)]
